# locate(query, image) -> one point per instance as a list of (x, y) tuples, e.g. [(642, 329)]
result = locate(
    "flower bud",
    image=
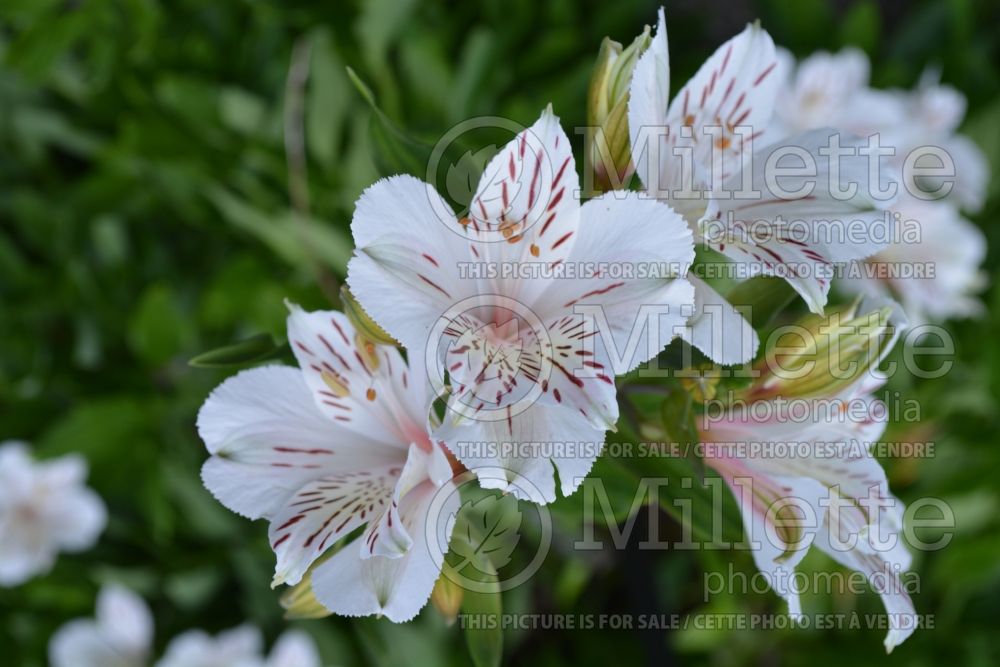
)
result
[(822, 356), (447, 597), (364, 324), (299, 602), (608, 151)]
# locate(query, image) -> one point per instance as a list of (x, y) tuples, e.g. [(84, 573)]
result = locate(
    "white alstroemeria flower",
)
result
[(696, 153), (832, 90), (239, 647), (44, 509), (340, 444), (948, 255), (818, 485), (933, 114), (521, 301), (294, 649), (821, 91), (120, 635)]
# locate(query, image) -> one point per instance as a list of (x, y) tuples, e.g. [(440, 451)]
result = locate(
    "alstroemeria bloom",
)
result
[(802, 472), (121, 635), (239, 647), (949, 252), (521, 302), (319, 451), (44, 509), (697, 153), (832, 90)]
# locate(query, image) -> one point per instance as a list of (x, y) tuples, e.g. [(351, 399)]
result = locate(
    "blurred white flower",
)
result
[(824, 90), (44, 509), (831, 90), (339, 444), (239, 647), (121, 635), (947, 257)]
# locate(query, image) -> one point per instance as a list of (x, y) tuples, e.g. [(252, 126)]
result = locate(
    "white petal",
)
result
[(80, 643), (377, 400), (764, 499), (269, 439), (718, 329), (649, 94), (626, 300), (526, 207), (405, 272), (294, 649), (20, 561), (799, 227), (884, 578), (520, 455), (322, 512), (735, 87), (239, 647), (79, 519), (125, 620), (972, 172), (397, 588)]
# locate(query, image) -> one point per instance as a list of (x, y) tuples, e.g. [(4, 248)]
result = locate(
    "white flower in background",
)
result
[(239, 647), (820, 92), (121, 635), (950, 249), (498, 299), (340, 444), (44, 509), (696, 152), (949, 253), (832, 492), (832, 90)]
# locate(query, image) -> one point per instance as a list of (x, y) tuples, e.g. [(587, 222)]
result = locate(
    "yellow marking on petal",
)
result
[(335, 383), (367, 349), (370, 394), (534, 250)]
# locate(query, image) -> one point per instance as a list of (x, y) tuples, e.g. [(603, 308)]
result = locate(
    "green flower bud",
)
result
[(608, 152), (447, 596), (822, 356), (299, 602), (364, 324)]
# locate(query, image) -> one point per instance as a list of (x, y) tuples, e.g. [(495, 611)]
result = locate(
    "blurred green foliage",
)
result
[(154, 203)]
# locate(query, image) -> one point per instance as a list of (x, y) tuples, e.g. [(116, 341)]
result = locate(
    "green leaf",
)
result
[(763, 298), (393, 150), (247, 351), (158, 329), (487, 527), (297, 239), (678, 418), (327, 102), (486, 641), (241, 110), (484, 526), (860, 26)]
